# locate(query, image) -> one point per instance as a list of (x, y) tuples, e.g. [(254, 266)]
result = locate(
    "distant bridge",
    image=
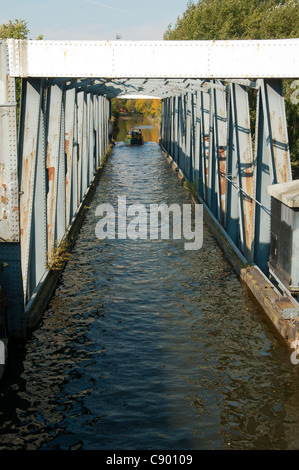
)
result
[(48, 165)]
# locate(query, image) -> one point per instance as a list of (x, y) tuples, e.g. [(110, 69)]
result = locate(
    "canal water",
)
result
[(145, 345), (150, 132)]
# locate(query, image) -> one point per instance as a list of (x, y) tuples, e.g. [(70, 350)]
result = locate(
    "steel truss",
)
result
[(45, 174), (48, 164), (210, 137)]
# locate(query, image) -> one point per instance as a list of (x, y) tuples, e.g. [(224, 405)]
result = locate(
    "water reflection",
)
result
[(147, 346), (150, 131)]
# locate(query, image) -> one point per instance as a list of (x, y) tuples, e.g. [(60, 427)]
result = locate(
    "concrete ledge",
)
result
[(269, 300), (287, 193), (272, 303)]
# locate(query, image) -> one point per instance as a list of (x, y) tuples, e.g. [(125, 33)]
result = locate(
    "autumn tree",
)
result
[(147, 107)]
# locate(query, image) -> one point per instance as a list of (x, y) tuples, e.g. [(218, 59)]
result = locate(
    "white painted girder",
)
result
[(155, 59)]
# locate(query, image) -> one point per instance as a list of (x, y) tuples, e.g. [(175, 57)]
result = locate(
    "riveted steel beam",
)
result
[(156, 59), (9, 192), (10, 250)]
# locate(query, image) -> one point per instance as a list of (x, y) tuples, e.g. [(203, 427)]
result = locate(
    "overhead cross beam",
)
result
[(154, 59)]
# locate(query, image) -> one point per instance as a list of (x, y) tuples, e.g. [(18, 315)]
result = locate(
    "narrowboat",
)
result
[(134, 137)]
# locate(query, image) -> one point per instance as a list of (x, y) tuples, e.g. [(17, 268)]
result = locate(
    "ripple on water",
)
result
[(147, 346)]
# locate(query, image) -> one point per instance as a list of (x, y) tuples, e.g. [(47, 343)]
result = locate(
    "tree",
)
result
[(239, 19), (16, 30), (149, 108)]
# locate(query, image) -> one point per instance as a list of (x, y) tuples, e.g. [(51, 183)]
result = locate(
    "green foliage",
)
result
[(250, 19), (16, 30), (292, 112), (237, 19)]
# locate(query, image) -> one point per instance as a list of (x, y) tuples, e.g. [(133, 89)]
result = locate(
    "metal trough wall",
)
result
[(46, 173), (209, 136), (48, 168)]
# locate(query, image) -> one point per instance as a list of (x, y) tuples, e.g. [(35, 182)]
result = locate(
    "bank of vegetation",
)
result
[(135, 107), (146, 107), (249, 19)]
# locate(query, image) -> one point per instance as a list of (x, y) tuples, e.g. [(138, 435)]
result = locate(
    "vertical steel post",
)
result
[(167, 122), (232, 197), (211, 158), (193, 135), (33, 220), (10, 256), (180, 132), (53, 164), (84, 147), (106, 122), (70, 151), (182, 124), (100, 127), (61, 201), (220, 126), (162, 128), (272, 160), (96, 130), (244, 158), (176, 124), (188, 156), (80, 106), (276, 128), (198, 177), (172, 100), (104, 125), (91, 164), (205, 113), (75, 172)]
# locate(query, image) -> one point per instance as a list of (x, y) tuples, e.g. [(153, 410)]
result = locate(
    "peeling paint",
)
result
[(51, 173)]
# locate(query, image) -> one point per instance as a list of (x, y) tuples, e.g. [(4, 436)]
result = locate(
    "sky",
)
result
[(94, 20)]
